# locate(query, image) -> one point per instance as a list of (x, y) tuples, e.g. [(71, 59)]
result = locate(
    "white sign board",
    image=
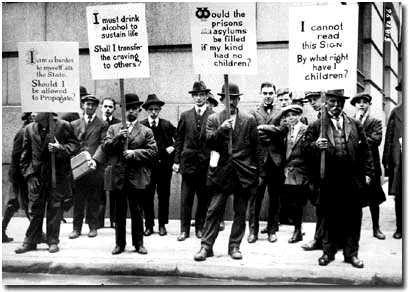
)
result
[(223, 38), (117, 38), (323, 47), (49, 76)]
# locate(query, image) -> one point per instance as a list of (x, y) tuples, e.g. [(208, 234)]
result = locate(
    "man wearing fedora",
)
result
[(348, 170), (90, 131), (234, 173), (164, 133), (271, 171), (373, 130), (130, 151), (192, 157)]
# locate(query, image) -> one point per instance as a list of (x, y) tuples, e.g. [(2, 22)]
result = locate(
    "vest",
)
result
[(339, 142)]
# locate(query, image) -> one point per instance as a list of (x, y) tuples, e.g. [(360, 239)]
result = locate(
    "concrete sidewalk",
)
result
[(263, 261)]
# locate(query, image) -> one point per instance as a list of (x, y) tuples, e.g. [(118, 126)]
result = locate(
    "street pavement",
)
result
[(263, 262)]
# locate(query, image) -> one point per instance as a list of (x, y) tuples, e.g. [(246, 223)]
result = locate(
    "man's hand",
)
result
[(367, 179), (227, 124), (92, 164), (322, 143), (33, 184), (176, 167), (54, 147), (170, 149), (128, 154), (123, 133)]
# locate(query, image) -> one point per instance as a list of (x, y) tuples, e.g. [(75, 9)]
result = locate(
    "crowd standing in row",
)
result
[(217, 154)]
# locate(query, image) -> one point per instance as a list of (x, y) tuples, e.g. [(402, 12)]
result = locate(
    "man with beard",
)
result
[(235, 173), (191, 159), (36, 168), (348, 169)]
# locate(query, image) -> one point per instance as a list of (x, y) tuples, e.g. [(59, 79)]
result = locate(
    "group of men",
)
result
[(218, 154)]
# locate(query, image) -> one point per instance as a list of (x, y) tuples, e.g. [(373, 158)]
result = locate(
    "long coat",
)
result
[(36, 159), (246, 158), (373, 130), (361, 163), (191, 150), (15, 175), (392, 156), (135, 170), (273, 150)]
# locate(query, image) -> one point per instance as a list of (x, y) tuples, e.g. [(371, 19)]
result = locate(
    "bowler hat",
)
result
[(25, 116), (292, 108), (282, 91), (362, 95), (132, 100), (336, 93), (212, 100), (82, 91), (89, 97), (152, 99), (233, 90), (199, 86), (311, 94)]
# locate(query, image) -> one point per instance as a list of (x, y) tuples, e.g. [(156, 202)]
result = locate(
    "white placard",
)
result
[(49, 76), (223, 38), (323, 43), (117, 38)]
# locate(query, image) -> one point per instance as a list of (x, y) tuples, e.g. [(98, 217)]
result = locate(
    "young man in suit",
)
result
[(236, 172), (271, 171), (164, 134), (90, 131), (373, 130), (192, 157), (108, 109), (35, 165), (130, 151), (348, 170)]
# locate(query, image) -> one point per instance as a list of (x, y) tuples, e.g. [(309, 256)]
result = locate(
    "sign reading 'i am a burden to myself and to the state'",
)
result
[(117, 38), (49, 76), (223, 38), (323, 50)]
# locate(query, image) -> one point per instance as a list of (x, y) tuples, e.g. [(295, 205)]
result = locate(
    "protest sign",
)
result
[(49, 76), (223, 38), (323, 47), (117, 38)]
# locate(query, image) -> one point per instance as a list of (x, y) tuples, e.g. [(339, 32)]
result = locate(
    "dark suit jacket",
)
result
[(90, 136), (164, 135), (275, 149), (135, 170), (15, 175), (112, 122), (36, 159), (191, 151), (246, 157)]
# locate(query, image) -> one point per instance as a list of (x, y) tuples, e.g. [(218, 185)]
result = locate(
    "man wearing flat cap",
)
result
[(373, 130), (130, 151), (234, 173), (90, 131), (164, 133), (191, 159), (348, 170)]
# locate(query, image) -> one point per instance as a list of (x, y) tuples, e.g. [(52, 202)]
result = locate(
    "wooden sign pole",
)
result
[(51, 123), (228, 110), (323, 134), (123, 108)]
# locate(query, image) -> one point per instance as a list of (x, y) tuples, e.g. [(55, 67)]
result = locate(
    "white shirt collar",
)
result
[(106, 119), (334, 121), (202, 108), (86, 117), (151, 120), (296, 129), (365, 116)]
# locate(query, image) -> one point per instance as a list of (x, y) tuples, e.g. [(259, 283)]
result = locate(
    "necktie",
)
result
[(130, 127), (154, 124), (199, 111), (338, 124), (89, 119)]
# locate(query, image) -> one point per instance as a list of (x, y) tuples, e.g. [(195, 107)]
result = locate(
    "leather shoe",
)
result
[(162, 230), (141, 249), (296, 236), (235, 253), (325, 259), (397, 235), (203, 254), (92, 233), (148, 232), (117, 250), (252, 237), (265, 230), (26, 247), (272, 237), (74, 234), (182, 236), (378, 234), (355, 262), (43, 238), (199, 234), (53, 248), (311, 245), (222, 225), (5, 238)]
